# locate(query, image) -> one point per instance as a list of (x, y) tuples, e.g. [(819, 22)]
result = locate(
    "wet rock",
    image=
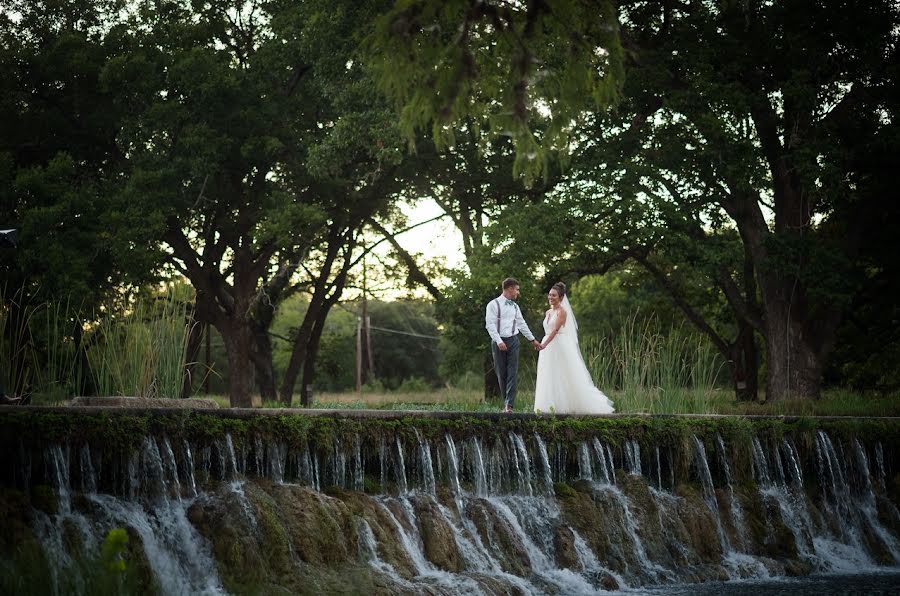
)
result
[(72, 538), (437, 536), (596, 518), (888, 514), (500, 538), (563, 490), (609, 583), (221, 519), (583, 486), (273, 532), (320, 528), (44, 498), (875, 542), (780, 542), (702, 532), (797, 568), (645, 510), (137, 565), (497, 585), (196, 514), (564, 546), (14, 516), (389, 542)]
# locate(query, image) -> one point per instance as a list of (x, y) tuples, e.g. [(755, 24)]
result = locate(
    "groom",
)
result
[(503, 321)]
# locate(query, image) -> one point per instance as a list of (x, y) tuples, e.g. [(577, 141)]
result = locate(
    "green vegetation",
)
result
[(135, 348), (834, 402), (689, 170)]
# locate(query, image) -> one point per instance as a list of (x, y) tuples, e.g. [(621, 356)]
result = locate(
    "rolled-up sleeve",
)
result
[(490, 320), (522, 326)]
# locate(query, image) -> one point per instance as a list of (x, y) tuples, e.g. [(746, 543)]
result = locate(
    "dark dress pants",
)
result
[(506, 364)]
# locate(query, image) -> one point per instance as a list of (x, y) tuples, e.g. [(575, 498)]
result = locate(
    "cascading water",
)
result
[(454, 511)]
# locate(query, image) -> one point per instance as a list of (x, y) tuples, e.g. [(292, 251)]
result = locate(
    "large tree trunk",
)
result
[(263, 362), (298, 353), (794, 363), (312, 352), (306, 344), (744, 364), (238, 344), (321, 300)]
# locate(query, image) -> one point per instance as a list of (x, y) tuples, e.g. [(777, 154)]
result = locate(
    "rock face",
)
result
[(325, 505)]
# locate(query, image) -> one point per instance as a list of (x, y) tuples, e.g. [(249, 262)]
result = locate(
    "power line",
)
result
[(397, 331)]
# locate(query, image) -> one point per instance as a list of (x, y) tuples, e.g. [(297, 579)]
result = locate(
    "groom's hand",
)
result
[(502, 346), (537, 345)]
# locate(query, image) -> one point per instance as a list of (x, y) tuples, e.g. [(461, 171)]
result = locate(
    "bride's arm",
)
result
[(559, 322)]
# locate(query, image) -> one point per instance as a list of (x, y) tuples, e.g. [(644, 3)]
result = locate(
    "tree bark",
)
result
[(238, 344), (312, 352), (318, 303), (263, 364), (744, 363)]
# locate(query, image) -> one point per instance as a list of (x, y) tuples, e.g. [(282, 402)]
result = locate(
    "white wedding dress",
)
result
[(564, 384)]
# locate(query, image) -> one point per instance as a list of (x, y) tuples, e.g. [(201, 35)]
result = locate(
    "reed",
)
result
[(654, 371), (16, 349), (138, 349), (142, 351)]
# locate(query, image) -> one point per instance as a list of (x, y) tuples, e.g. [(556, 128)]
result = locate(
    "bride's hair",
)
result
[(560, 288)]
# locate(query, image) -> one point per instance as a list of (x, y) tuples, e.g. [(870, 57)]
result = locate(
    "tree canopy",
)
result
[(736, 158)]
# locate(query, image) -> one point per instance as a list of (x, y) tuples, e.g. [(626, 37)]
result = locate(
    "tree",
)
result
[(768, 127), (788, 109), (499, 67), (472, 184), (60, 165), (252, 153)]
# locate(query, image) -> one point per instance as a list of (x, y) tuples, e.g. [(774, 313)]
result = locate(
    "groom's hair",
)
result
[(509, 282)]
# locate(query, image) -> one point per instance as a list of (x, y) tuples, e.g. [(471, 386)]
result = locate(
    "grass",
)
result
[(143, 351), (138, 348), (834, 402)]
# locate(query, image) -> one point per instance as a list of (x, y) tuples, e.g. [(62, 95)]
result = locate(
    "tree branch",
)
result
[(695, 317), (415, 273)]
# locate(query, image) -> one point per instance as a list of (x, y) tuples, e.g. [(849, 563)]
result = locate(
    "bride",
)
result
[(564, 385)]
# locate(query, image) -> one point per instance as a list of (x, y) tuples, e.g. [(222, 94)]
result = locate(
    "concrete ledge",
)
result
[(161, 407), (143, 402)]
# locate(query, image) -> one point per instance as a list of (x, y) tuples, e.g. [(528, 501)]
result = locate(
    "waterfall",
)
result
[(737, 514), (426, 467), (709, 491), (633, 458), (601, 459), (414, 510), (545, 464)]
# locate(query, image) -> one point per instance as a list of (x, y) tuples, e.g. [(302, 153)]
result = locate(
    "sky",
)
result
[(437, 239)]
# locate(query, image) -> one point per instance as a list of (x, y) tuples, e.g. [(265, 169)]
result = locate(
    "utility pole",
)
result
[(364, 327), (358, 356), (208, 372), (367, 325)]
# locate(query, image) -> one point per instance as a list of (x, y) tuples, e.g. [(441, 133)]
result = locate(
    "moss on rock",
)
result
[(438, 541)]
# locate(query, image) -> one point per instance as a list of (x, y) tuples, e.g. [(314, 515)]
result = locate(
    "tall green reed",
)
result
[(141, 351), (135, 347), (16, 349), (655, 370)]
